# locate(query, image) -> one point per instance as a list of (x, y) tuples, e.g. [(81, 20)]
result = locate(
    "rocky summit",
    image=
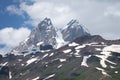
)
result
[(73, 30), (44, 33), (80, 55)]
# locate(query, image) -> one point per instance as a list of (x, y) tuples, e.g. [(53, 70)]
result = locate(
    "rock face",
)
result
[(74, 30), (43, 34), (46, 34)]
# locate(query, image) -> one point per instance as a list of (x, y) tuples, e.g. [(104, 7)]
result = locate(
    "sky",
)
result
[(19, 17)]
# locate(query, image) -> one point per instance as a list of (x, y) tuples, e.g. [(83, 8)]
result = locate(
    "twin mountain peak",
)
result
[(46, 34)]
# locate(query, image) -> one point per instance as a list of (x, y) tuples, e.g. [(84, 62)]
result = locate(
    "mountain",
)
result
[(85, 58), (46, 34), (73, 30), (43, 34)]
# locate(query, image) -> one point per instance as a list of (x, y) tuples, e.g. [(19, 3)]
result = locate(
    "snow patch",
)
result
[(116, 72), (113, 48), (112, 67), (31, 61), (4, 64), (16, 53), (79, 47), (103, 71), (26, 40), (60, 40), (44, 51), (77, 53), (84, 62), (21, 73), (55, 59), (73, 44), (62, 60), (98, 49), (103, 58), (111, 62), (36, 78), (44, 56), (93, 43), (67, 51), (59, 66), (51, 54), (10, 75), (39, 43), (102, 43), (50, 76), (22, 64), (19, 60)]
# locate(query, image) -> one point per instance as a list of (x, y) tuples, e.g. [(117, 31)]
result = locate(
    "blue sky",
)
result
[(8, 20), (18, 17), (11, 24)]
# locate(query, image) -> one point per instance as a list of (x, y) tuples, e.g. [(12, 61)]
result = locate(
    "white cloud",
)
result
[(12, 37), (99, 16), (59, 13), (5, 50), (112, 11), (15, 10), (109, 35)]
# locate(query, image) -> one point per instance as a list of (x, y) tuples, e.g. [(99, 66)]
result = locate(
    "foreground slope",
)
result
[(85, 58)]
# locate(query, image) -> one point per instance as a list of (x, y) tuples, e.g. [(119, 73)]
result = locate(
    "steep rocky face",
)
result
[(73, 30), (43, 34)]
